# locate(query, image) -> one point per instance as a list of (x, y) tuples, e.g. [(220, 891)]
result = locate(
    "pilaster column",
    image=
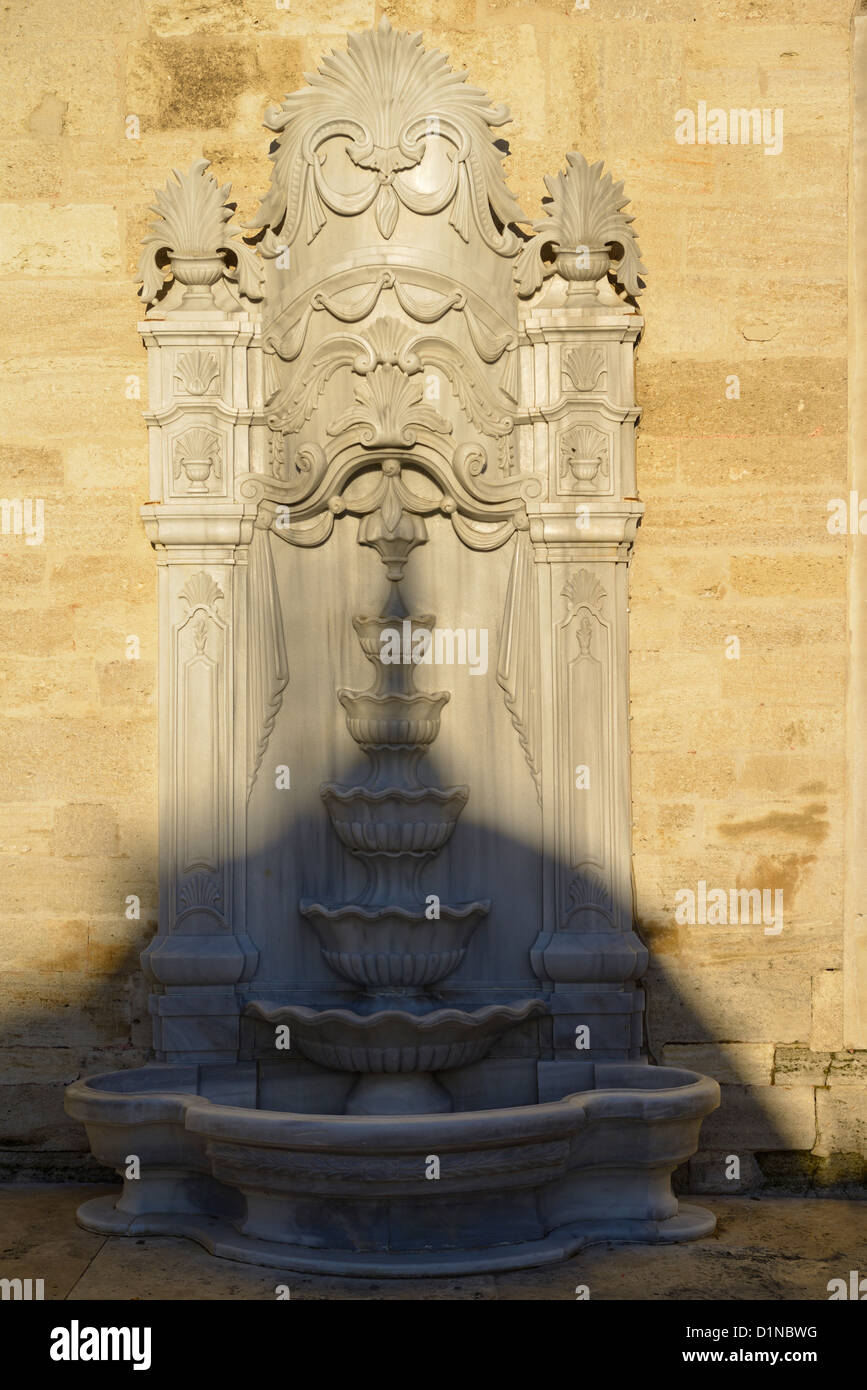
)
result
[(206, 429), (576, 430)]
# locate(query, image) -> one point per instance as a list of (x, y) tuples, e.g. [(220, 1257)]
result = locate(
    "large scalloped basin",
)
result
[(394, 1040), (350, 1194)]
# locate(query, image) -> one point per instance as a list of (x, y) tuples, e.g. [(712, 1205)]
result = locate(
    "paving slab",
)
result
[(764, 1248)]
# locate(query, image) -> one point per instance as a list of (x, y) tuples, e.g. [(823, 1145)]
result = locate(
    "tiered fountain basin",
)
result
[(393, 720), (393, 946), (396, 1050), (418, 821), (328, 1193)]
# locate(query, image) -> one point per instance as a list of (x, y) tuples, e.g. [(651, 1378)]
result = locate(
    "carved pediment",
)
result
[(412, 134)]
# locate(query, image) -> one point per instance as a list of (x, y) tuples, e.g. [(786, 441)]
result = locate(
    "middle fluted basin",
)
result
[(394, 719), (396, 947), (392, 820)]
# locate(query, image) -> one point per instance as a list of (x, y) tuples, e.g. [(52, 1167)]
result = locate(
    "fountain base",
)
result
[(220, 1238), (512, 1187)]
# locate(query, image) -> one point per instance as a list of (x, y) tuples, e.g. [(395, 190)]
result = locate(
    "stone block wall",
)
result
[(739, 591)]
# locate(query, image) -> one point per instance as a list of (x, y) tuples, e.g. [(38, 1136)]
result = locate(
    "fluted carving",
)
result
[(391, 99), (394, 823)]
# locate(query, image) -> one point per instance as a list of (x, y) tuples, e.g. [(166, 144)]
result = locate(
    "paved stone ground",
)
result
[(764, 1248)]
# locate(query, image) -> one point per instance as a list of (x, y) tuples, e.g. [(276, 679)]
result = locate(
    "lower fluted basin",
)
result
[(395, 1040)]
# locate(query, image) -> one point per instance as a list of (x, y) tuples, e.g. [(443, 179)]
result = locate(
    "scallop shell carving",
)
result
[(583, 590), (589, 893), (198, 443), (200, 890), (201, 591), (584, 366), (196, 371)]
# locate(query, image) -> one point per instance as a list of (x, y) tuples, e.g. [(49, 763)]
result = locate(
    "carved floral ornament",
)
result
[(583, 221), (197, 454), (589, 896), (584, 455), (389, 408), (582, 590), (483, 514), (191, 231), (201, 591), (390, 99)]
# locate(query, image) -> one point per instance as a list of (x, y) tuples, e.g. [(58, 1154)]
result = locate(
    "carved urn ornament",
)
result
[(584, 221), (191, 232), (396, 918), (197, 454)]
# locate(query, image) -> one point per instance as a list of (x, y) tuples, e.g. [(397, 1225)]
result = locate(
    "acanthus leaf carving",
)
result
[(388, 97), (191, 232), (583, 221), (467, 387), (385, 344), (293, 406), (299, 469), (389, 411), (470, 464)]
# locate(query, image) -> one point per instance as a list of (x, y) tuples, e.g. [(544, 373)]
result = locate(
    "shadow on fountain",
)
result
[(542, 1146), (429, 1056), (283, 1086)]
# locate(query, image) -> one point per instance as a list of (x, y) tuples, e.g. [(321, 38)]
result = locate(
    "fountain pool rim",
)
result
[(522, 1185)]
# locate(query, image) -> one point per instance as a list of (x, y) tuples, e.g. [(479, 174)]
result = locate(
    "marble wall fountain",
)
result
[(397, 1017)]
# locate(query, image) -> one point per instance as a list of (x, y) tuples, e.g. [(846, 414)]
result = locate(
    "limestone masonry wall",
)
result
[(739, 588)]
